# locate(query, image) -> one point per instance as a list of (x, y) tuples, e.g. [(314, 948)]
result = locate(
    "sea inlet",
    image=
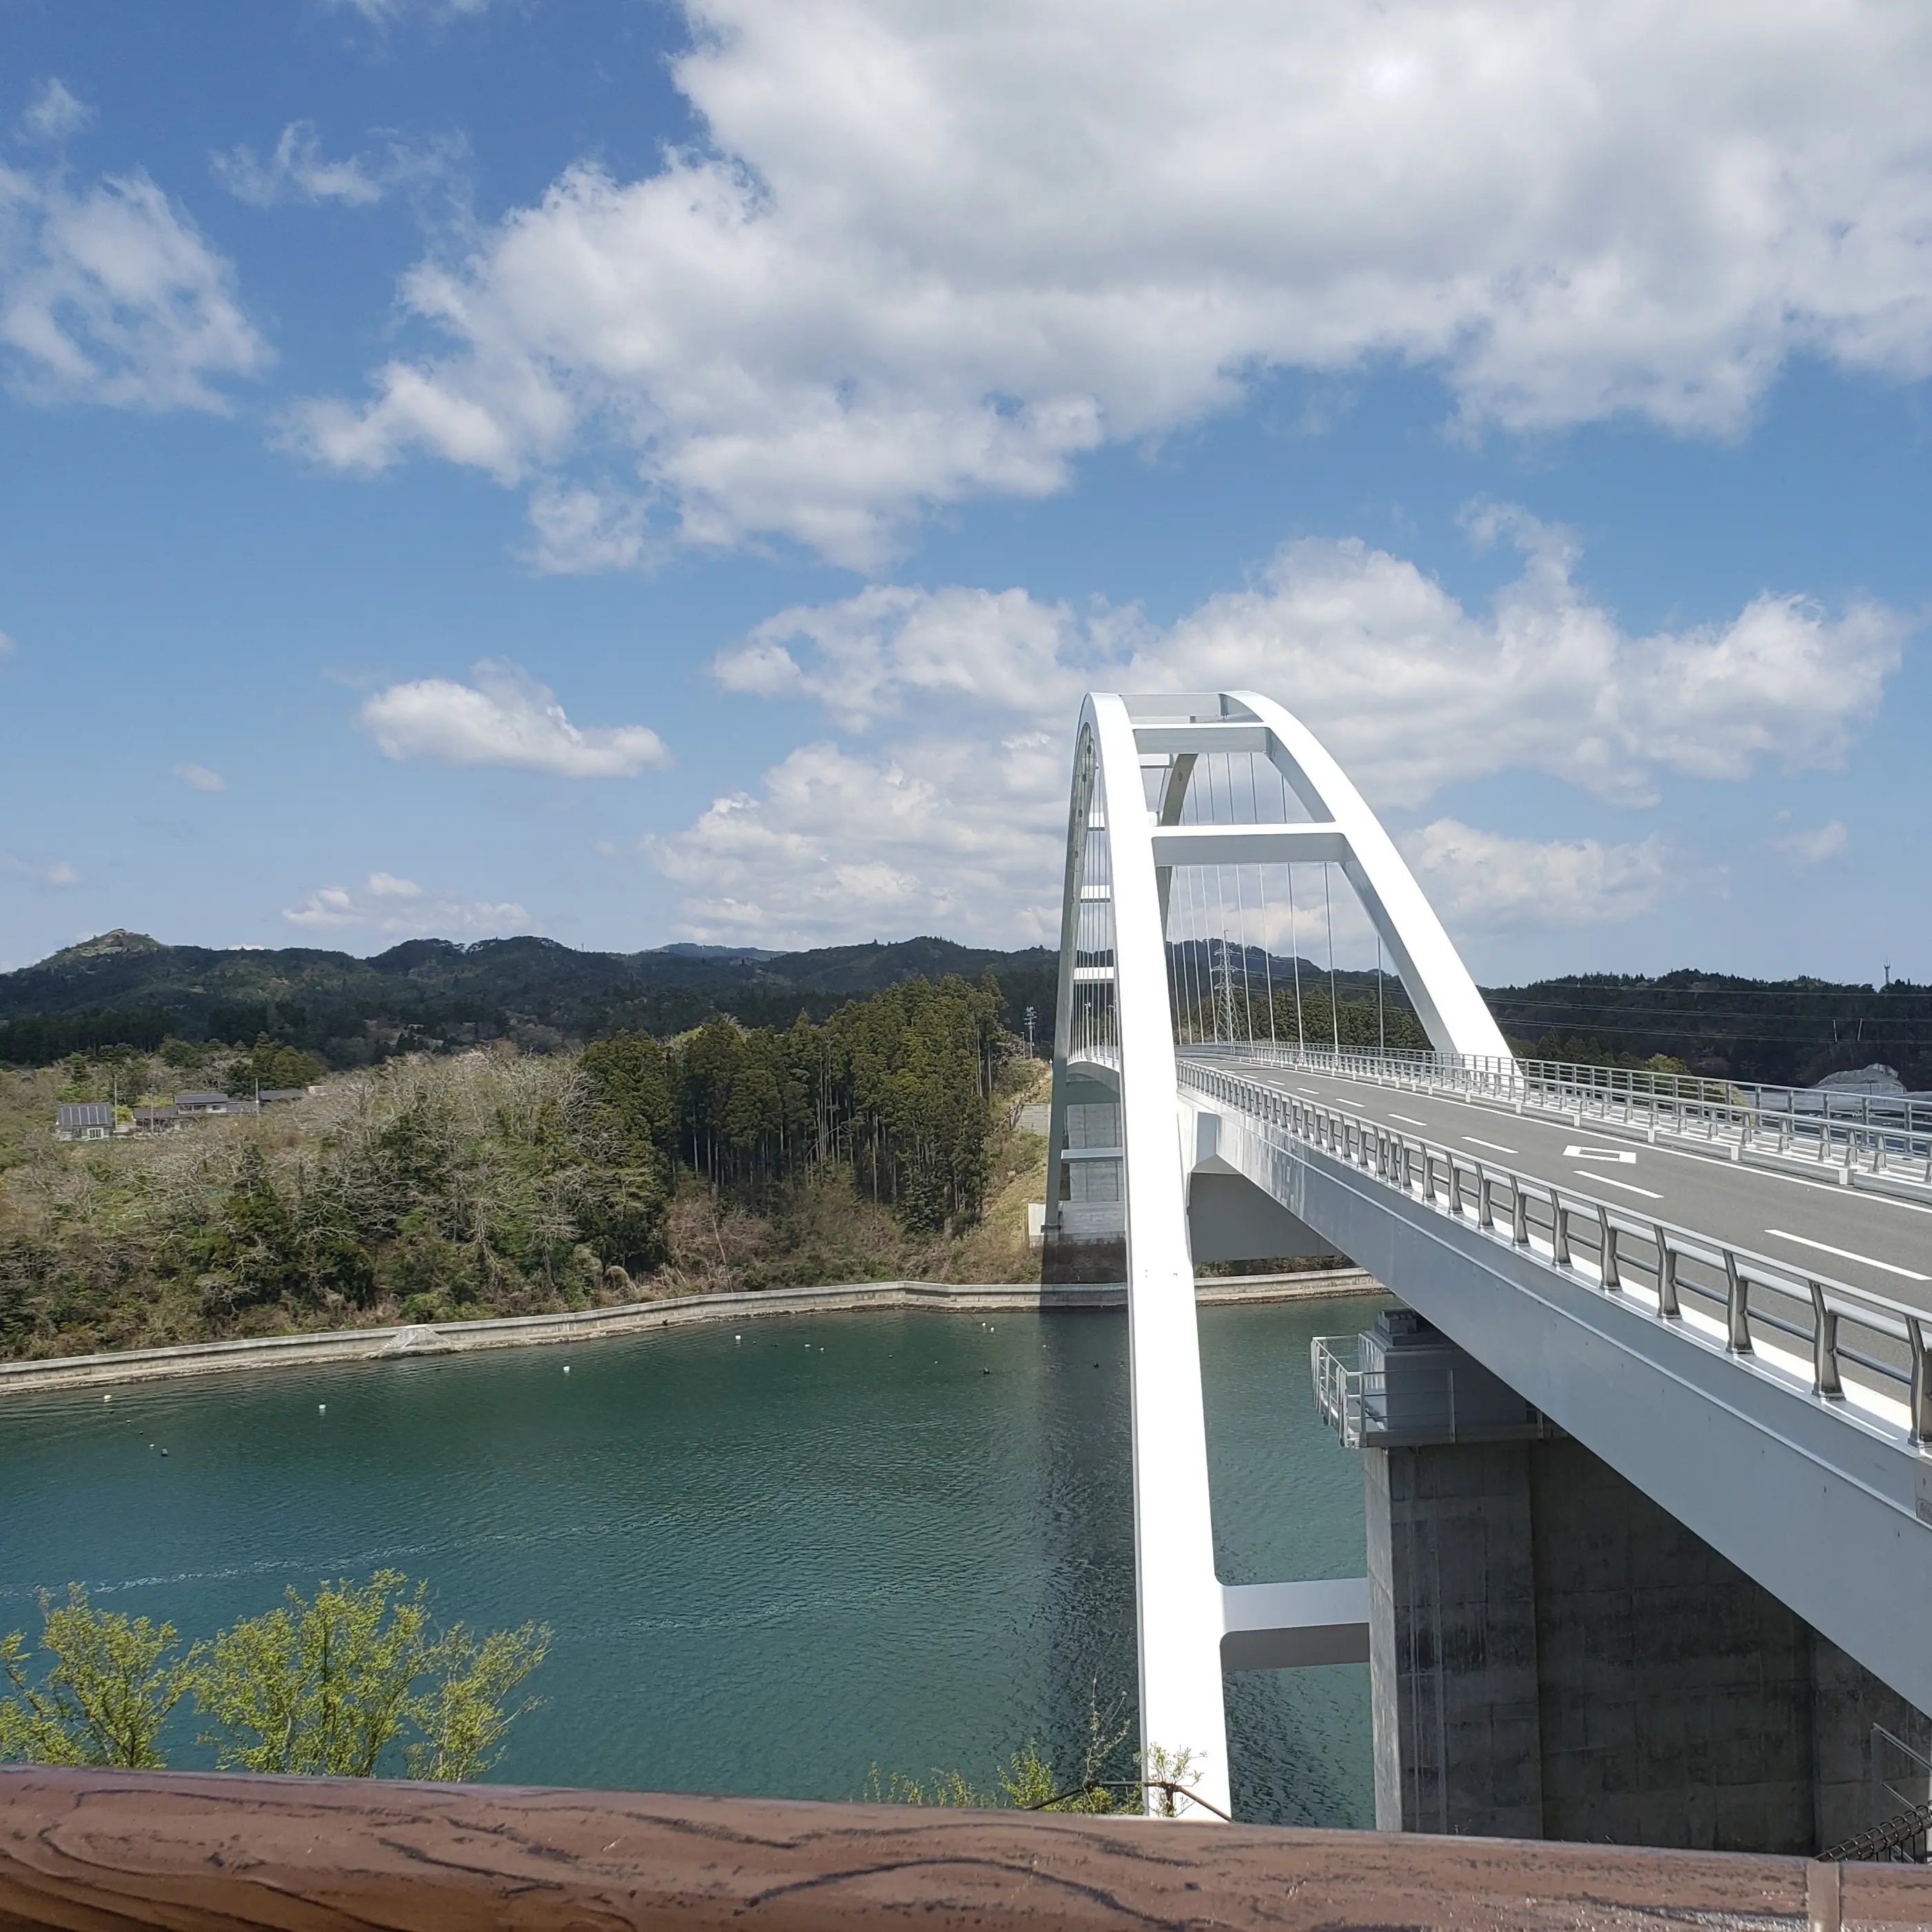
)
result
[(775, 1555)]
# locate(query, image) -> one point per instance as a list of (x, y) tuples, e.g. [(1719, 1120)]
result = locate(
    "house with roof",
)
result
[(156, 1120), (84, 1120), (200, 1106)]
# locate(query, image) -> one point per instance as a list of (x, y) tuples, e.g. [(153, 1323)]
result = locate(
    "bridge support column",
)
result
[(1552, 1655)]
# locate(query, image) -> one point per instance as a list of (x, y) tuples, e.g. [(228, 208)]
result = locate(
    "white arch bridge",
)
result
[(1723, 1293)]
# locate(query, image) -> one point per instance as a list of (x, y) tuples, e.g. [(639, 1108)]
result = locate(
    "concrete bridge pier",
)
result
[(1552, 1655)]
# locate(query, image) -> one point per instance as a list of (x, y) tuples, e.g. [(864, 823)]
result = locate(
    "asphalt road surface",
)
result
[(1864, 1239)]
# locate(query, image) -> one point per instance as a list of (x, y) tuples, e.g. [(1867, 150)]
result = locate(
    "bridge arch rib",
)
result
[(1113, 1034), (1685, 1333)]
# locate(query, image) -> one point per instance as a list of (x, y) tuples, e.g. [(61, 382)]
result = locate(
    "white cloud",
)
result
[(928, 254), (54, 114), (296, 171), (392, 13), (1412, 691), (108, 294), (1805, 848), (1483, 882), (386, 904), (56, 873), (6, 645), (198, 778), (947, 839), (580, 531), (506, 717)]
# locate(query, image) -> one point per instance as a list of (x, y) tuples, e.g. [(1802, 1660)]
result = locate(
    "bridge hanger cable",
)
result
[(1190, 977), (1381, 1019), (1334, 1010), (1294, 947), (1247, 984), (1260, 893), (1267, 949), (1190, 990), (1207, 919), (1191, 959)]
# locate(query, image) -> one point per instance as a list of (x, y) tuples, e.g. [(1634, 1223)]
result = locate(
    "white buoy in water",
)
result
[(322, 1408), (107, 1398), (737, 1338), (566, 1368)]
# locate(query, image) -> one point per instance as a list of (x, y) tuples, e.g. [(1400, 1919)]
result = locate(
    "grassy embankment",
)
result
[(426, 1189)]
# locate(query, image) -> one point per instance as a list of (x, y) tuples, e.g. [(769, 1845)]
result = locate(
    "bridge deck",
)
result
[(1868, 1240)]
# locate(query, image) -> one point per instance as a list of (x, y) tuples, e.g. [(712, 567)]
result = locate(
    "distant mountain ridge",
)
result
[(126, 986)]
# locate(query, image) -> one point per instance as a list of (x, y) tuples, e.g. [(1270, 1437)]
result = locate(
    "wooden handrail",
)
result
[(97, 1850)]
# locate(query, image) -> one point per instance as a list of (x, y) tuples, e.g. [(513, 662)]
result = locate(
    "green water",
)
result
[(770, 1563)]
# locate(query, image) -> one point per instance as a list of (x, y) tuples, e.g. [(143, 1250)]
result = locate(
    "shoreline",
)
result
[(411, 1341)]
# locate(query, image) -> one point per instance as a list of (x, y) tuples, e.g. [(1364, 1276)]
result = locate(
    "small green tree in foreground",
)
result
[(353, 1683), (325, 1687), (108, 1690)]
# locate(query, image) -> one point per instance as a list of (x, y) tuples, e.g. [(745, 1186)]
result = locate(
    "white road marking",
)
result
[(1495, 1146), (1847, 1254), (1622, 1154), (1750, 1175), (1865, 1197), (1611, 1180), (1408, 1120)]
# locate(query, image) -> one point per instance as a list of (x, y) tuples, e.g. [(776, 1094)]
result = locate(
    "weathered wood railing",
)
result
[(96, 1850)]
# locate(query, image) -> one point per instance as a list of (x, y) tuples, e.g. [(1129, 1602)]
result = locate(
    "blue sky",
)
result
[(632, 472)]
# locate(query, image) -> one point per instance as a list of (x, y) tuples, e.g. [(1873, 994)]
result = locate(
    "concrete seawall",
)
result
[(448, 1338)]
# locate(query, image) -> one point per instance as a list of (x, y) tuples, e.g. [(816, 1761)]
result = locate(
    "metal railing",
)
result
[(1846, 1134), (1747, 1296), (1902, 1837), (1367, 1410), (1338, 1386)]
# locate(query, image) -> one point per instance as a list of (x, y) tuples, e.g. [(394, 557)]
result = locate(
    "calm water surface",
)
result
[(770, 1564)]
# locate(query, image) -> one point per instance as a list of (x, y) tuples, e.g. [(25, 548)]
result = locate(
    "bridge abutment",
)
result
[(1553, 1655)]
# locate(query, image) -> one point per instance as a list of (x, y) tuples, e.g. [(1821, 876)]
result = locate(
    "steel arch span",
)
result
[(1142, 768)]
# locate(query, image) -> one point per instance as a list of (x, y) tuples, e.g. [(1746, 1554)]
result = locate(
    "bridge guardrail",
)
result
[(1866, 1133), (1585, 1237)]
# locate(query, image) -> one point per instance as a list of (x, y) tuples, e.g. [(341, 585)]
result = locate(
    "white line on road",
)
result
[(1408, 1120), (1864, 1196), (1622, 1154), (1847, 1254), (1611, 1180), (1495, 1146)]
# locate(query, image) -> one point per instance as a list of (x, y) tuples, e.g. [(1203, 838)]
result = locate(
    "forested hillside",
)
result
[(434, 996), (881, 1143), (1790, 1031)]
